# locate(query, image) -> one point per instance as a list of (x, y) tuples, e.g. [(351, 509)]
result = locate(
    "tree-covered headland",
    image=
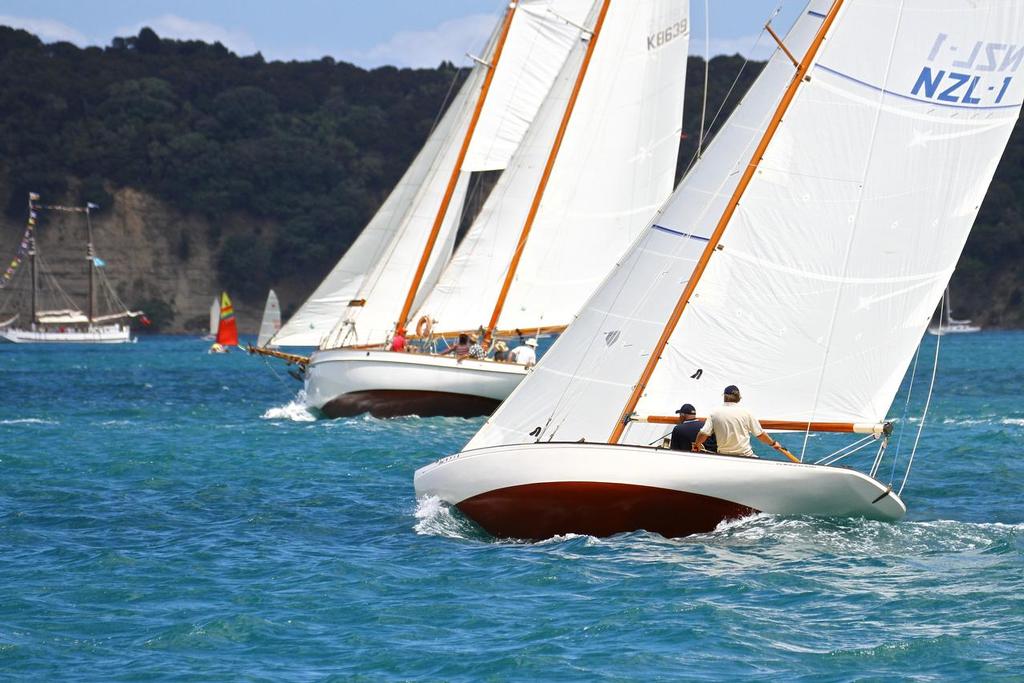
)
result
[(310, 149)]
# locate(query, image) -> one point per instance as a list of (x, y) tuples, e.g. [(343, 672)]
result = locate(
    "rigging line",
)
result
[(735, 81), (906, 411), (707, 69), (927, 403), (856, 215)]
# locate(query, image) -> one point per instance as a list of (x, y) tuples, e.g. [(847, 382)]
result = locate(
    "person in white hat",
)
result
[(525, 354)]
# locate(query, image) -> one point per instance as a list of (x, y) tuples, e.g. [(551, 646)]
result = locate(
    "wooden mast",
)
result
[(716, 236), (542, 186), (450, 189), (32, 260), (91, 257)]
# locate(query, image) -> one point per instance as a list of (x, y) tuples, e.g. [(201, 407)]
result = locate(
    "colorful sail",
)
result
[(227, 329)]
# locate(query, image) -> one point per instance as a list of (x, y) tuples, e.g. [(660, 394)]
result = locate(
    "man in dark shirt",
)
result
[(684, 433)]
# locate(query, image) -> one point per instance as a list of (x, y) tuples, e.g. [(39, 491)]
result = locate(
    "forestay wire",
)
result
[(928, 401)]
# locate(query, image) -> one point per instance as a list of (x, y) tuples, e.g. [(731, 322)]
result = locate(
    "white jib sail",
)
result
[(271, 321), (538, 41), (840, 248), (214, 316), (615, 166)]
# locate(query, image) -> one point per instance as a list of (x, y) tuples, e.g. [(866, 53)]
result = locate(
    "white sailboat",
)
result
[(598, 159), (214, 320), (270, 323), (65, 322), (800, 259), (375, 271), (950, 325)]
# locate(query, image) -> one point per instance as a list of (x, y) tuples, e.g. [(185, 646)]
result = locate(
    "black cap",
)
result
[(686, 409), (732, 390)]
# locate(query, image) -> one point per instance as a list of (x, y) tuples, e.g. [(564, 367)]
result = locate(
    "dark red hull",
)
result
[(539, 511), (399, 403)]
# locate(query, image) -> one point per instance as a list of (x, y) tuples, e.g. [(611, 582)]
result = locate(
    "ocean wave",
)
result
[(1017, 421), (295, 410), (437, 518), (29, 421)]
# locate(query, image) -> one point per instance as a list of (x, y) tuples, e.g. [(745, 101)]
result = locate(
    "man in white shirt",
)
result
[(525, 354), (732, 427)]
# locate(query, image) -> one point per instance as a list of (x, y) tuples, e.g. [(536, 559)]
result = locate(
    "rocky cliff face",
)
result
[(157, 258)]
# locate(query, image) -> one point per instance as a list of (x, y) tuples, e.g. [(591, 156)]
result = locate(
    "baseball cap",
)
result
[(686, 409), (732, 390)]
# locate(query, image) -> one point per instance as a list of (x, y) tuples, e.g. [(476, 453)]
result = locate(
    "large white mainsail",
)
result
[(827, 273), (539, 38), (615, 165)]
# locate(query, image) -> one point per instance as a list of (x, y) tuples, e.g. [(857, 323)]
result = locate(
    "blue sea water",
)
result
[(169, 514)]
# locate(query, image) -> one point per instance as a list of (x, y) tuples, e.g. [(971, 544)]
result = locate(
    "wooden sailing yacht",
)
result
[(801, 259), (66, 324), (490, 113), (598, 159)]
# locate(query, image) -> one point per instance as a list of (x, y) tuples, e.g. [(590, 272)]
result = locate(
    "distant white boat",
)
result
[(950, 325), (271, 322), (66, 324), (214, 319)]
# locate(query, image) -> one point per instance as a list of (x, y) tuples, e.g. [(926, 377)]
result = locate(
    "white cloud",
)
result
[(48, 30), (172, 26), (447, 41)]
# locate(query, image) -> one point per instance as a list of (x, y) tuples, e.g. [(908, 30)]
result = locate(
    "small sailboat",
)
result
[(60, 320), (214, 320), (270, 323), (598, 158), (227, 327), (801, 259), (950, 325)]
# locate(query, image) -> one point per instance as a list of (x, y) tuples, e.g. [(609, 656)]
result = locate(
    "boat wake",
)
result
[(437, 518), (295, 410)]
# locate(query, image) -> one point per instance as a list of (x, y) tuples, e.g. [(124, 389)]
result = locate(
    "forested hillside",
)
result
[(297, 156)]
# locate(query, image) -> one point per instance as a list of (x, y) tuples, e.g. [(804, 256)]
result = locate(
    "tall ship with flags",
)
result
[(36, 309)]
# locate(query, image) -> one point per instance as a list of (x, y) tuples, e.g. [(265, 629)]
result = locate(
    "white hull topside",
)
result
[(343, 382), (105, 334), (542, 489)]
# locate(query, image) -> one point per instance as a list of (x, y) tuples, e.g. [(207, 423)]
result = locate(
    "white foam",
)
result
[(29, 421), (295, 410), (436, 518), (1018, 421)]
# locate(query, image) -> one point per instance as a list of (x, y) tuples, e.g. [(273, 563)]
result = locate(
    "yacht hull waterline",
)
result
[(347, 382), (536, 491)]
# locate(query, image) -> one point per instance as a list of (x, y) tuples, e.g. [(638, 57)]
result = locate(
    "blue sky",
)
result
[(366, 32)]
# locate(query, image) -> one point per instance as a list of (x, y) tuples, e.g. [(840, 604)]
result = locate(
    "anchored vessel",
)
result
[(53, 317), (598, 158), (801, 258)]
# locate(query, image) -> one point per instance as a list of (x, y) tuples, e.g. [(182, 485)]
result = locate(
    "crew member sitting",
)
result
[(685, 433), (500, 351), (475, 350), (732, 427), (398, 341), (461, 349), (525, 354)]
